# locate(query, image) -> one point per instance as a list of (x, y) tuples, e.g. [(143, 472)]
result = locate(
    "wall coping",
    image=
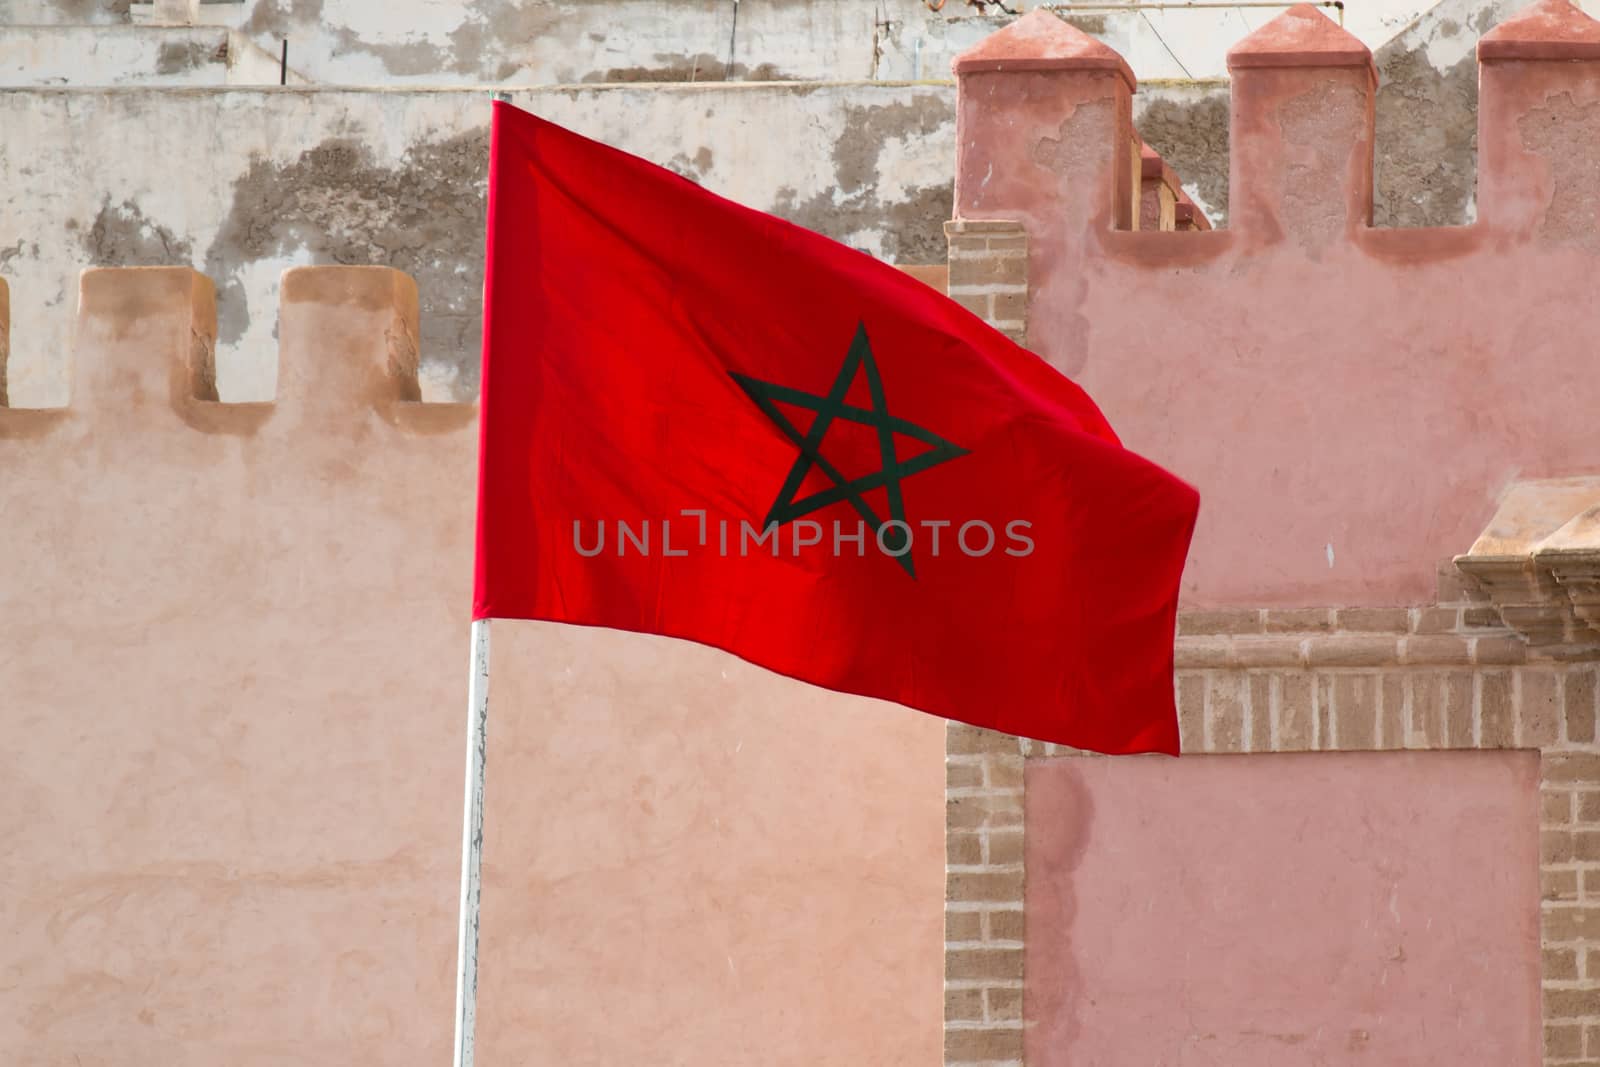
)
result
[(1551, 30), (1040, 40), (1300, 37)]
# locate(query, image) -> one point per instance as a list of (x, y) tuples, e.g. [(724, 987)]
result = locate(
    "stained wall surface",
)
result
[(373, 42), (242, 184)]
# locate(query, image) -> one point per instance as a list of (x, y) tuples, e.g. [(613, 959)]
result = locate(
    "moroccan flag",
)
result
[(705, 422)]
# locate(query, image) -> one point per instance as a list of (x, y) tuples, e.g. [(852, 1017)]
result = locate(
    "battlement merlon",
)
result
[(1300, 131), (1045, 113), (1044, 121), (1539, 86), (145, 340)]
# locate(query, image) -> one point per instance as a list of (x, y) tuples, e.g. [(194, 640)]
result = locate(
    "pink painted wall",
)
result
[(233, 652), (1283, 910), (1350, 402)]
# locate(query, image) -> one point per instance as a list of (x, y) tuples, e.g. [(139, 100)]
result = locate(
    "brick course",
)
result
[(989, 273)]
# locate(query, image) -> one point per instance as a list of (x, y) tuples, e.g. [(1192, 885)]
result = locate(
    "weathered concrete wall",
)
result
[(243, 184), (113, 55), (63, 12), (368, 177), (1427, 109), (356, 42), (378, 176), (1187, 122), (559, 41), (234, 682), (133, 55)]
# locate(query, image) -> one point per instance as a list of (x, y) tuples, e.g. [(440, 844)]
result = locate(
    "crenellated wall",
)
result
[(1349, 401), (1383, 841), (233, 599), (233, 661), (243, 184)]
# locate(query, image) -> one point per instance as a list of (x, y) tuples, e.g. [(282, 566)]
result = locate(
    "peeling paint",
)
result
[(401, 60), (1427, 132), (63, 12), (121, 236), (703, 67), (1073, 151), (178, 56), (693, 167), (14, 252), (1427, 137), (915, 217), (1551, 131), (1329, 121), (397, 178), (273, 18), (336, 204)]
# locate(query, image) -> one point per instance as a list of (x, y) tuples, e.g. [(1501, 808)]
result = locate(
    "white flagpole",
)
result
[(472, 846)]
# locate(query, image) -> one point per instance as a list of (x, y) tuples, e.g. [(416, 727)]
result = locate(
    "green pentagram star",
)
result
[(831, 406)]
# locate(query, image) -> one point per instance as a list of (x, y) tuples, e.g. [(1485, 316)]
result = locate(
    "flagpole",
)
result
[(472, 846)]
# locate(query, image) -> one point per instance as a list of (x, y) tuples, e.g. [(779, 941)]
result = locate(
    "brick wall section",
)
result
[(989, 273), (983, 769), (983, 910), (1445, 676)]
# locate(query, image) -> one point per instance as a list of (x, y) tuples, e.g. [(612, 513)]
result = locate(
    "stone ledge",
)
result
[(1039, 41), (1539, 561), (1551, 30), (1301, 37)]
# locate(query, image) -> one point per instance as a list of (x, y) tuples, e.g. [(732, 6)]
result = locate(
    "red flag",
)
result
[(705, 422)]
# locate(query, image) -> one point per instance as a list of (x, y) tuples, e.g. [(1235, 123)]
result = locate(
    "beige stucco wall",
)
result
[(233, 666)]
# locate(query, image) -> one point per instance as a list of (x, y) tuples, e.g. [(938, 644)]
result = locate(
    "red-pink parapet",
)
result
[(1351, 402)]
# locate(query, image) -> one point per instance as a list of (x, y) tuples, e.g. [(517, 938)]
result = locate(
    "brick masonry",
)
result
[(989, 273), (1444, 676)]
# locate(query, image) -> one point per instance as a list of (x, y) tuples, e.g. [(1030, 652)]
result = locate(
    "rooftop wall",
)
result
[(1351, 402)]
